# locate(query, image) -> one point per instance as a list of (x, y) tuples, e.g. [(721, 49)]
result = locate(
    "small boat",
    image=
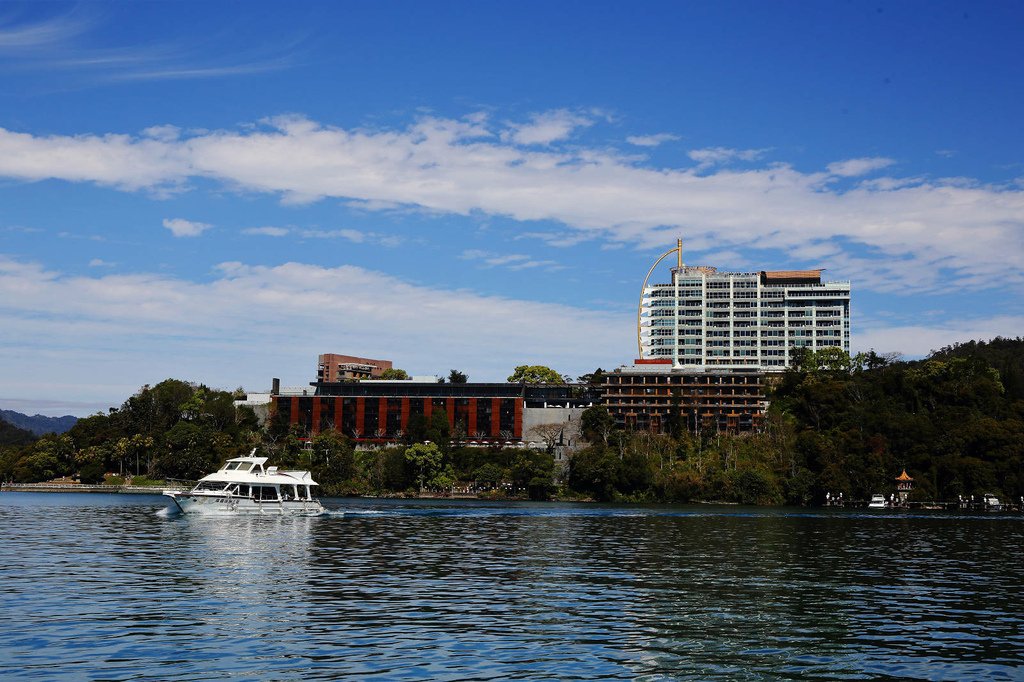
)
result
[(992, 503), (245, 486), (877, 502)]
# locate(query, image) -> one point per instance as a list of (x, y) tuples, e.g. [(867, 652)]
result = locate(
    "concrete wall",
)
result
[(571, 440)]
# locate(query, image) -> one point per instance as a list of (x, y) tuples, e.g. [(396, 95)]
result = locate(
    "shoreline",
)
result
[(79, 488), (153, 490)]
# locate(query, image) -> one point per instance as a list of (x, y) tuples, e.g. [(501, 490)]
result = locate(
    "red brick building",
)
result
[(332, 367), (382, 410)]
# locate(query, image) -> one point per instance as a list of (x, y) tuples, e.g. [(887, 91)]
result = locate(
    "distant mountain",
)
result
[(38, 424), (12, 435)]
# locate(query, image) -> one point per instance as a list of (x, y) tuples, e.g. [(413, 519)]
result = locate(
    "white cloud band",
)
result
[(936, 231)]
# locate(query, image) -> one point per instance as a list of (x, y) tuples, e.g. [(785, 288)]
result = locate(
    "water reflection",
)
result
[(104, 587)]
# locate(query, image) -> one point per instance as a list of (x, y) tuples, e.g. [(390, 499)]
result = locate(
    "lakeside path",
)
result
[(82, 488)]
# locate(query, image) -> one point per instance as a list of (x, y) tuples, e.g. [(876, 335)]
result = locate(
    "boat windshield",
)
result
[(211, 485), (238, 466)]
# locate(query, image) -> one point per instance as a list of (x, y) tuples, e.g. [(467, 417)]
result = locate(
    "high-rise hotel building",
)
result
[(711, 320)]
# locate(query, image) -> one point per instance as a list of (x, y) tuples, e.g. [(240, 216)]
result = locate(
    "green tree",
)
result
[(535, 374), (426, 457), (457, 377), (597, 471), (92, 473), (439, 431), (533, 472), (393, 373), (444, 479), (333, 461), (489, 475), (189, 453), (596, 424)]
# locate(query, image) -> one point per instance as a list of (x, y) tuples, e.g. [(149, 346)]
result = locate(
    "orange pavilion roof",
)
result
[(904, 477)]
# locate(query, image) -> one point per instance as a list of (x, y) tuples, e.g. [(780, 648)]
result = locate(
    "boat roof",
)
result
[(271, 477), (256, 473)]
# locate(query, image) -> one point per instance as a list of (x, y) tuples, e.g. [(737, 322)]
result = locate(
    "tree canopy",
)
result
[(535, 374)]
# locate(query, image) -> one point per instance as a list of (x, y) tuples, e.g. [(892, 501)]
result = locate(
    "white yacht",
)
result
[(244, 486), (991, 503), (877, 502)]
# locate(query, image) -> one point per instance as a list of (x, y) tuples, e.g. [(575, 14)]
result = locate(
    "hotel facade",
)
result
[(708, 344), (706, 319)]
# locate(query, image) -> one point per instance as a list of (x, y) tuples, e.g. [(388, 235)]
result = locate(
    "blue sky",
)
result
[(220, 191)]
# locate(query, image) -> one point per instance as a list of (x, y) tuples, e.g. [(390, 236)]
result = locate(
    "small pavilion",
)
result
[(904, 485)]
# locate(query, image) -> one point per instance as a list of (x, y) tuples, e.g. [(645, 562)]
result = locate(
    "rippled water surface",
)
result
[(108, 587)]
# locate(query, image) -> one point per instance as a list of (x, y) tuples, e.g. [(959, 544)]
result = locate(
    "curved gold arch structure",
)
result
[(678, 250)]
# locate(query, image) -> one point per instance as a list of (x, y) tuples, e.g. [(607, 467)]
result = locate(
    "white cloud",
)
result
[(241, 328), (854, 167), (547, 127), (268, 231), (180, 227), (942, 230), (918, 340), (166, 133), (354, 236), (713, 156), (100, 263), (651, 140)]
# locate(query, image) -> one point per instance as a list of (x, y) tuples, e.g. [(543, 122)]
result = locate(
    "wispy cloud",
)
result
[(144, 327), (937, 229), (59, 44), (651, 140), (511, 261), (180, 227), (183, 72), (268, 231), (100, 263), (354, 236), (854, 167), (713, 156), (40, 34)]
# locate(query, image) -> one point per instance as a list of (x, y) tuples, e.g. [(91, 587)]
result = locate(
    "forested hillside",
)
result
[(836, 425), (841, 425), (12, 435)]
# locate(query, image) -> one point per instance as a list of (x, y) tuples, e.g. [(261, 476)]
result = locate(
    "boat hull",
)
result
[(210, 505)]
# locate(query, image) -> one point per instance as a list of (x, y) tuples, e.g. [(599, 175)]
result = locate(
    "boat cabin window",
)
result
[(243, 490), (303, 492), (266, 493)]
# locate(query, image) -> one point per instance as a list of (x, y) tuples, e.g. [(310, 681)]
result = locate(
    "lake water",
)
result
[(108, 587)]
